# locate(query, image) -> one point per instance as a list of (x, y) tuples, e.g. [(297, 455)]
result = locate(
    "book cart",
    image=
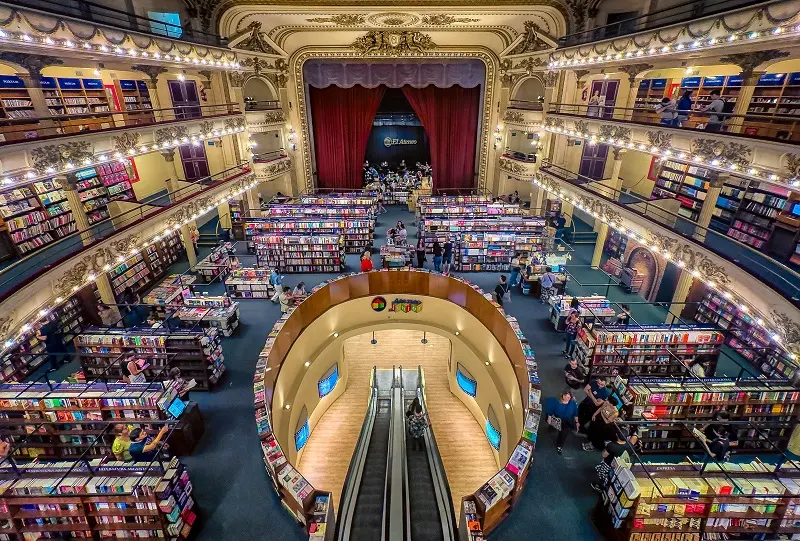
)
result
[(593, 310), (214, 265), (217, 312), (249, 283), (97, 500), (198, 354), (43, 421), (764, 412), (657, 350), (688, 501)]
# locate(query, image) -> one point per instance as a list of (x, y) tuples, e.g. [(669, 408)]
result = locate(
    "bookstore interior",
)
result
[(528, 267)]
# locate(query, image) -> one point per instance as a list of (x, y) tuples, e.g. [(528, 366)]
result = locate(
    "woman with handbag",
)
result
[(562, 414), (501, 291), (420, 253)]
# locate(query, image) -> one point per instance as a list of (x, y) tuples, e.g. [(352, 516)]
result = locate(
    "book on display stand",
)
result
[(358, 233), (249, 283)]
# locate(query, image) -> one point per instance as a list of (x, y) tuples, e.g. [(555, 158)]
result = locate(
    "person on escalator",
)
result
[(417, 423), (412, 407)]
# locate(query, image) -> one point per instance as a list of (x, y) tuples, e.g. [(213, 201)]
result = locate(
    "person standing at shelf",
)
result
[(133, 369), (142, 450), (447, 256), (275, 280), (285, 299), (596, 394), (667, 111), (366, 261), (684, 107), (613, 449), (572, 326), (130, 310), (299, 290), (515, 272), (624, 316), (714, 110), (122, 442), (562, 414), (573, 374), (547, 282), (500, 290), (421, 253), (402, 234), (194, 234), (49, 335), (110, 316), (437, 256), (417, 423)]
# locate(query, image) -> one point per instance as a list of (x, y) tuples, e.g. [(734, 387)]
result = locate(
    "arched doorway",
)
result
[(258, 95), (647, 268), (530, 92)]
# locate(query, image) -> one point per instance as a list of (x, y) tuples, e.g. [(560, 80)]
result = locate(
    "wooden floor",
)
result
[(467, 456)]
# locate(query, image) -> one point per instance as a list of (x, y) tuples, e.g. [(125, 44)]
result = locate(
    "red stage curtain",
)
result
[(450, 118), (342, 120)]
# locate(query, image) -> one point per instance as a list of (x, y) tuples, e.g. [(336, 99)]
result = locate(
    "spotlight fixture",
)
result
[(373, 341), (336, 335), (507, 406), (307, 364), (458, 332), (287, 406), (424, 337)]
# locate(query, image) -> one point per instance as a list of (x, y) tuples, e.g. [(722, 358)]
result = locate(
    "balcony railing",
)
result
[(777, 275), (782, 128), (90, 12), (27, 269), (20, 130), (525, 105), (261, 105), (681, 13)]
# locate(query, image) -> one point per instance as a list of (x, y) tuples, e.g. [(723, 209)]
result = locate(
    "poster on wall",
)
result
[(395, 143)]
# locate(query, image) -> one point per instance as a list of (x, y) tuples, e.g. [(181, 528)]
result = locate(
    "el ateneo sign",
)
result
[(390, 142)]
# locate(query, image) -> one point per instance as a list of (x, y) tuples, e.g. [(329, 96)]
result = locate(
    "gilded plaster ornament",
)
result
[(581, 126), (280, 167), (340, 20), (170, 134), (552, 122), (550, 79), (791, 163), (256, 41), (274, 117), (634, 70), (151, 71), (617, 133), (693, 259), (530, 64), (393, 19), (123, 143), (58, 156), (662, 141), (256, 63), (33, 63), (748, 62), (445, 20), (514, 116), (206, 126), (532, 41), (234, 123), (711, 149), (789, 331), (510, 166), (393, 43), (237, 78)]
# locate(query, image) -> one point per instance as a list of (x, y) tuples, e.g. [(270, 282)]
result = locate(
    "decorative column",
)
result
[(678, 301), (614, 183), (707, 209), (103, 284), (186, 235), (252, 206), (76, 206), (172, 171), (635, 74), (748, 62), (601, 228)]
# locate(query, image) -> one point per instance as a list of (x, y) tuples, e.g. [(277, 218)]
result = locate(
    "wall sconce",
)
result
[(497, 136), (291, 137)]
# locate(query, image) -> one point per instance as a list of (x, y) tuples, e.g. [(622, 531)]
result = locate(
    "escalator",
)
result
[(368, 515), (430, 504)]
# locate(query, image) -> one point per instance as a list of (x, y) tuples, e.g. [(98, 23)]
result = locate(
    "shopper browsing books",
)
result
[(572, 325), (447, 256), (437, 256), (501, 290), (366, 261), (562, 415), (547, 281), (624, 316), (596, 394), (110, 316), (133, 369), (49, 335), (615, 448), (299, 290), (420, 253), (573, 375), (122, 443), (142, 450), (285, 299), (602, 428)]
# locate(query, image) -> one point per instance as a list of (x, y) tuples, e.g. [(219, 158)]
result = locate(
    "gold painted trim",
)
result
[(489, 59)]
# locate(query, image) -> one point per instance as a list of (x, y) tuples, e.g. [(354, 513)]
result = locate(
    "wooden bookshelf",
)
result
[(16, 109), (528, 236), (136, 100), (728, 201), (97, 500), (645, 350), (658, 501), (687, 183), (358, 233), (249, 283), (773, 407), (757, 212), (198, 354), (776, 101), (77, 97), (648, 95), (293, 253)]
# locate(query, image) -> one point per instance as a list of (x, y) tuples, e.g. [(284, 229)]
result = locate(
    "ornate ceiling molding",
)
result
[(254, 40), (393, 43), (444, 19), (748, 62), (33, 63), (514, 116), (340, 20)]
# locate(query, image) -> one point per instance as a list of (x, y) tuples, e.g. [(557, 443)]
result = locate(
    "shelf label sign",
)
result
[(406, 306)]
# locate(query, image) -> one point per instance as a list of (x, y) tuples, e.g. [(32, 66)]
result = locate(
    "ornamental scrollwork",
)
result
[(514, 116), (550, 79), (234, 123), (792, 164), (280, 167), (393, 43), (92, 264), (123, 143), (693, 259), (788, 330), (662, 141), (54, 157), (256, 41), (532, 41), (581, 126), (206, 126), (552, 122), (340, 20), (237, 78), (530, 64), (617, 133), (7, 323), (445, 20), (274, 117), (711, 149), (170, 134), (510, 166), (256, 63)]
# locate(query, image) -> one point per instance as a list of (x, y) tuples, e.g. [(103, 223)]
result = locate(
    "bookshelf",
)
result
[(653, 350), (648, 95), (209, 312), (249, 283), (16, 107), (593, 309), (728, 86), (687, 183), (773, 407), (136, 100), (214, 265), (198, 354), (75, 96), (358, 233), (756, 215), (366, 199), (292, 253), (776, 97), (745, 336), (98, 500), (474, 234), (236, 208), (57, 423), (314, 211), (677, 501), (728, 201), (616, 244), (29, 353)]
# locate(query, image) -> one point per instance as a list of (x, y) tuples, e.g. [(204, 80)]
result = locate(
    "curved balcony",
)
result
[(776, 275), (25, 271)]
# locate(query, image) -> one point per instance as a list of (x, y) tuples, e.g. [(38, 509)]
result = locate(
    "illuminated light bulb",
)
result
[(715, 162), (143, 148), (3, 34), (118, 50), (695, 273), (651, 51), (103, 49), (752, 171), (731, 38), (712, 41), (6, 180), (639, 52), (760, 321), (118, 154), (87, 45), (75, 288), (307, 364), (59, 299), (181, 77), (775, 337), (743, 308), (48, 41), (681, 263), (682, 155), (145, 54), (733, 167), (26, 37), (132, 52), (777, 30), (727, 295), (641, 146), (486, 363), (26, 328), (665, 49), (654, 149), (679, 47), (773, 177), (106, 267), (752, 35), (695, 44), (8, 343), (30, 174), (157, 56)]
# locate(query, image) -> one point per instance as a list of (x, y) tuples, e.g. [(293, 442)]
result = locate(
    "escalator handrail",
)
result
[(406, 492), (394, 505), (352, 480), (444, 499)]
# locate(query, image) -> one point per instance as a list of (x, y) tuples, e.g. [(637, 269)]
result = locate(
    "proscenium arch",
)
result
[(452, 305)]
